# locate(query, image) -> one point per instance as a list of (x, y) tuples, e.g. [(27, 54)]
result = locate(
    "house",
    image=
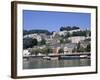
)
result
[(55, 47), (77, 39), (69, 47)]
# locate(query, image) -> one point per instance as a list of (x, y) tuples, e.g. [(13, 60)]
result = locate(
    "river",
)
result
[(36, 63)]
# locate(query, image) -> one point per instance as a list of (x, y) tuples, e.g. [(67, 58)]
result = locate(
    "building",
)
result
[(62, 33), (34, 36), (69, 47), (77, 39), (71, 31), (26, 52)]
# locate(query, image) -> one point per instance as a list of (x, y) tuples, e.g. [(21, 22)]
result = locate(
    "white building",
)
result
[(69, 47), (34, 36), (76, 39), (62, 33), (71, 31), (26, 52)]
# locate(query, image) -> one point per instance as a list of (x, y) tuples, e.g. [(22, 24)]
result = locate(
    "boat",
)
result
[(50, 58), (85, 56), (47, 58)]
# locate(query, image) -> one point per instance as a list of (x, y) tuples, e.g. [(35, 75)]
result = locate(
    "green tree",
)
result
[(43, 42), (61, 50), (29, 43), (88, 48), (35, 51), (61, 40), (78, 47), (34, 42)]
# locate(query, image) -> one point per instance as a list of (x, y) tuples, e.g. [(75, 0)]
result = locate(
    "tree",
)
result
[(74, 50), (88, 48), (61, 50), (25, 32), (62, 29), (35, 51), (29, 43), (78, 47), (68, 28), (61, 41), (79, 33), (43, 42), (34, 42), (75, 27)]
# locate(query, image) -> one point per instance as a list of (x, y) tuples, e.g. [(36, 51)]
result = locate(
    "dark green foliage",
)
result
[(42, 42), (48, 50), (81, 49), (35, 51), (74, 50), (78, 47), (88, 48), (79, 33), (29, 43), (61, 50), (68, 28), (87, 39), (68, 35), (25, 32), (34, 42)]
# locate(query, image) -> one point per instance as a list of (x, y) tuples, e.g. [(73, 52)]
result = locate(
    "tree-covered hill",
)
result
[(25, 32)]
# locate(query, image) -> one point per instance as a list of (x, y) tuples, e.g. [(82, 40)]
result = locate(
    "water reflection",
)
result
[(33, 63)]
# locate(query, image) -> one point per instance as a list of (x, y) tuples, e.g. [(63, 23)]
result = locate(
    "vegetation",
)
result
[(83, 49), (42, 42), (68, 28), (61, 50), (64, 41), (25, 32), (45, 51), (29, 43), (88, 48), (79, 33)]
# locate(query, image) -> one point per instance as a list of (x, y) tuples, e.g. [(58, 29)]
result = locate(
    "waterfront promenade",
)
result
[(59, 55)]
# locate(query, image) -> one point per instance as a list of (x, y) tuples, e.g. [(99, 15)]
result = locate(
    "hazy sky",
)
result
[(52, 21)]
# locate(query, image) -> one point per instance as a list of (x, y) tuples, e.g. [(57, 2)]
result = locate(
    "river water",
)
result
[(36, 63)]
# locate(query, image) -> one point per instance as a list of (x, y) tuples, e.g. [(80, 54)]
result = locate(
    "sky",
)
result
[(52, 21)]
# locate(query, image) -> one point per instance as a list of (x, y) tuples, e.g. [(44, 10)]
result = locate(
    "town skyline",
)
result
[(52, 21)]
